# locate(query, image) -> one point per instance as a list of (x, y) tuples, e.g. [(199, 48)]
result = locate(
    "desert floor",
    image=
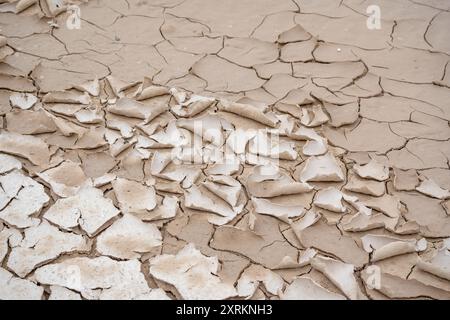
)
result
[(224, 149)]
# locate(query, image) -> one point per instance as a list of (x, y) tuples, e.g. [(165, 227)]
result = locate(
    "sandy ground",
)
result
[(217, 149)]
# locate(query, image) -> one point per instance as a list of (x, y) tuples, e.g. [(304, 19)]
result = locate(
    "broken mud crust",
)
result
[(194, 149)]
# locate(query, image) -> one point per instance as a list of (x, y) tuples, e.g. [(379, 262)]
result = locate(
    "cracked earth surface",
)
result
[(350, 201)]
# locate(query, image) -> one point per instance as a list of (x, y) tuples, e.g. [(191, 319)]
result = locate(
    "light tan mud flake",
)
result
[(438, 264), (330, 199), (14, 288), (62, 293), (305, 288), (43, 243), (29, 122), (9, 238), (341, 275), (66, 179), (397, 288), (432, 189), (428, 213), (24, 198), (382, 247), (248, 111), (298, 51), (268, 181), (91, 86), (264, 245), (342, 115), (192, 273), (66, 97), (133, 196), (253, 276), (200, 199), (88, 208), (322, 168), (387, 204), (405, 180), (370, 187), (100, 278), (283, 212), (32, 148), (134, 109), (128, 238), (23, 101), (9, 163), (372, 170), (328, 239)]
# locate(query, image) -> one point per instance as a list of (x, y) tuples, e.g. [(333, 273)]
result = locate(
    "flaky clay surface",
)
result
[(210, 149)]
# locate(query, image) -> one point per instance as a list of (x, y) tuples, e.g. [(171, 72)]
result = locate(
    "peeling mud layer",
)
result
[(202, 149)]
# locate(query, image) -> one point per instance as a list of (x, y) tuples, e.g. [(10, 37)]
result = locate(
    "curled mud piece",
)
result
[(248, 111), (341, 275), (383, 247), (372, 170), (438, 264), (269, 182), (23, 101), (282, 212)]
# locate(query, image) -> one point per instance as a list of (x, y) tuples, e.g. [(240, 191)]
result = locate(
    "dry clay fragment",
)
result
[(13, 288), (28, 147), (330, 199), (65, 179), (67, 97), (322, 168), (61, 293), (372, 170), (194, 198), (88, 208), (431, 188), (383, 247), (305, 288), (23, 101), (192, 274), (313, 116), (43, 243), (267, 181), (248, 111), (134, 109), (9, 163), (398, 288), (9, 237), (20, 198), (128, 237), (370, 187), (282, 212), (227, 188), (193, 106), (92, 87), (387, 204), (251, 278), (30, 122), (134, 197), (329, 239), (264, 146), (341, 275), (100, 278), (405, 180), (315, 145), (438, 265), (168, 209)]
